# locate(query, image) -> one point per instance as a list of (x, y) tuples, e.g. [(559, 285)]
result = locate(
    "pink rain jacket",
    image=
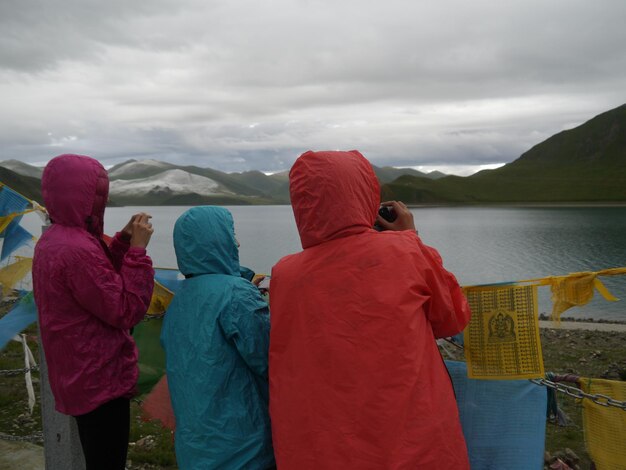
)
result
[(88, 295), (356, 379)]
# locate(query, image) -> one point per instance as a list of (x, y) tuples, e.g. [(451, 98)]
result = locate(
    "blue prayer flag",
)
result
[(504, 421), (23, 313), (14, 237)]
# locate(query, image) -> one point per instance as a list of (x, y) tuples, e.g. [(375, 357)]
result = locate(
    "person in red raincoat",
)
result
[(356, 378)]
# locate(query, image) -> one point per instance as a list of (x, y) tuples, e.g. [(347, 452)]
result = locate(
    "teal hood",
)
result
[(204, 241)]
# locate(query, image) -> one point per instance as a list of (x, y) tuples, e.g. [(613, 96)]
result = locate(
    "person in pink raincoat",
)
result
[(89, 295), (356, 379)]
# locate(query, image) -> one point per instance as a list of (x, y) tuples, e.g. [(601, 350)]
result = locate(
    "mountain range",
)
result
[(152, 182), (584, 164)]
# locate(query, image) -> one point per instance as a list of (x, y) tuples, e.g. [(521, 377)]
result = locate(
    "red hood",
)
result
[(75, 191), (333, 195)]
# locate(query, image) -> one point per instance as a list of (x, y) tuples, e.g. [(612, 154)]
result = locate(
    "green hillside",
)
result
[(25, 185), (271, 187), (387, 174), (584, 164)]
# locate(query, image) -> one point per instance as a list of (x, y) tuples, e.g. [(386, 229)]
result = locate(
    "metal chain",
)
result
[(153, 317), (19, 371), (599, 399), (37, 437)]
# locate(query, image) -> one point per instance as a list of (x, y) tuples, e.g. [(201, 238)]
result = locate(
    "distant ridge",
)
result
[(133, 169), (387, 174), (22, 168), (27, 186), (584, 164)]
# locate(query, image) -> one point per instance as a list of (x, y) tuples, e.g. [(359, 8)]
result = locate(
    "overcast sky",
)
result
[(239, 85)]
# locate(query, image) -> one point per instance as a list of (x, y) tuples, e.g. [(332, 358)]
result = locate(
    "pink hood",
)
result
[(75, 191)]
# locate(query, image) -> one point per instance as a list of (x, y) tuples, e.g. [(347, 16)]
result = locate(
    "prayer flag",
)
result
[(504, 421), (502, 338), (161, 298), (13, 273), (14, 237), (158, 405), (575, 290), (605, 426), (147, 336), (21, 315)]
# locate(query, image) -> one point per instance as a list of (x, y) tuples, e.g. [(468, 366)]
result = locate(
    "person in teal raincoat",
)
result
[(216, 340)]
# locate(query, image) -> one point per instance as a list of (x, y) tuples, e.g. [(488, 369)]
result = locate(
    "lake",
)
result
[(478, 244)]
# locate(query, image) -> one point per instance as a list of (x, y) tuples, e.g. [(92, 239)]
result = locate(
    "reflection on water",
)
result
[(480, 245), (484, 245)]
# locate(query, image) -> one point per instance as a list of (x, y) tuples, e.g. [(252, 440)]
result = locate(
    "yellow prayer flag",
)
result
[(605, 426), (13, 273), (502, 340), (7, 219), (575, 290), (161, 298)]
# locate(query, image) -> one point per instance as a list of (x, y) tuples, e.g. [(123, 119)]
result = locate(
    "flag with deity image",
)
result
[(502, 339)]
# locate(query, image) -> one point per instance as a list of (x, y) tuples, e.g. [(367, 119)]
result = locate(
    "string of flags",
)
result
[(502, 338), (501, 345), (501, 341)]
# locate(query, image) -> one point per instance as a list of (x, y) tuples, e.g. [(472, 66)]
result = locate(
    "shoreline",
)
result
[(546, 318), (521, 205), (418, 205), (582, 325)]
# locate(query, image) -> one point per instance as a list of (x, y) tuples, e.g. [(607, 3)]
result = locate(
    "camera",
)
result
[(387, 213)]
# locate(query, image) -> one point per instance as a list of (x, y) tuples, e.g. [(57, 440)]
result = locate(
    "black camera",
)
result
[(387, 213)]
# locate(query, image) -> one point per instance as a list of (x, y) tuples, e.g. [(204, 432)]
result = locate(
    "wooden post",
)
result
[(61, 443)]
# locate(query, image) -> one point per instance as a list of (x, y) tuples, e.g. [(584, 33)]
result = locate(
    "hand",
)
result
[(404, 217), (257, 280), (127, 231), (141, 230)]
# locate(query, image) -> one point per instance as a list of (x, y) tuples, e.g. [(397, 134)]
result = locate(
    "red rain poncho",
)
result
[(88, 298), (356, 379)]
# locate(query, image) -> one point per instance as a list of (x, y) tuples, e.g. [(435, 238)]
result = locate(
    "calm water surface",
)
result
[(480, 245)]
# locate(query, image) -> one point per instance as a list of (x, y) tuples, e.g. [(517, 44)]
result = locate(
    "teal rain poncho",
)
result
[(216, 339)]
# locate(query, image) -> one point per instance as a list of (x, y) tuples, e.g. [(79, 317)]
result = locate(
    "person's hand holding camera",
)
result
[(403, 217), (141, 230)]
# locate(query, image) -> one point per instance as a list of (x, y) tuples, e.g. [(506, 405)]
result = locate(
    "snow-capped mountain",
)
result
[(169, 182), (152, 182), (133, 169)]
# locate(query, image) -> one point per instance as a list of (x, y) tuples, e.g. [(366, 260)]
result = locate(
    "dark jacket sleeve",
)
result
[(447, 309), (120, 299), (247, 324), (118, 248)]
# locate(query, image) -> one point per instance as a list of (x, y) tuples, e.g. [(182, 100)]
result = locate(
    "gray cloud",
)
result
[(242, 85)]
